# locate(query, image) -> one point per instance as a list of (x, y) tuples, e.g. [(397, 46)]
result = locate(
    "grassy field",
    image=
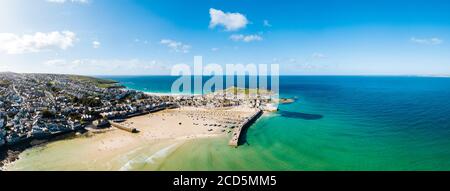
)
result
[(101, 83), (247, 91), (4, 83)]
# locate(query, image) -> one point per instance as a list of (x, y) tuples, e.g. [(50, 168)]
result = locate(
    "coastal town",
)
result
[(41, 106)]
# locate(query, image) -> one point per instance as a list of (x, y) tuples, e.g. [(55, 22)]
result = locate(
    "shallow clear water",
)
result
[(337, 123)]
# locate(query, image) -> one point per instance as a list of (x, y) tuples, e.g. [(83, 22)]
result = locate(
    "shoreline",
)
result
[(165, 94), (10, 153), (168, 126), (87, 100), (161, 93)]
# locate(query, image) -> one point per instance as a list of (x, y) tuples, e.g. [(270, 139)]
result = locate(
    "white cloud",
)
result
[(109, 66), (96, 44), (214, 49), (15, 44), (266, 23), (427, 41), (245, 38), (317, 55), (72, 1), (56, 62), (141, 41), (176, 46), (231, 21), (4, 67)]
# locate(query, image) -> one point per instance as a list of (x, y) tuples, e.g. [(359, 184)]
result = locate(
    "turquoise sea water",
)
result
[(337, 123)]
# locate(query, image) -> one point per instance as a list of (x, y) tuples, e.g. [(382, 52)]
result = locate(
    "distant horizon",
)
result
[(312, 75)]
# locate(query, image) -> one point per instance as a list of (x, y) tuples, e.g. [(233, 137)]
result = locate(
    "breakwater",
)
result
[(238, 132)]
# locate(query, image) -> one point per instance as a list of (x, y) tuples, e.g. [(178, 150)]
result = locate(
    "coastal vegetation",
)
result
[(101, 83), (248, 91), (47, 114), (4, 83)]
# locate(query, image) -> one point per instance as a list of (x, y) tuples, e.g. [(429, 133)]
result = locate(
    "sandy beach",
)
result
[(159, 134), (187, 122)]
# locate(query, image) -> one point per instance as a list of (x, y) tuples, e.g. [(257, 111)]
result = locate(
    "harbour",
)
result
[(237, 136), (345, 137)]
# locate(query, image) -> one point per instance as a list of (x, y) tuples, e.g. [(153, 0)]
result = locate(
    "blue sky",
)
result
[(131, 37)]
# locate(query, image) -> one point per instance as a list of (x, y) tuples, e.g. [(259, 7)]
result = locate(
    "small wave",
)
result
[(151, 159), (161, 153), (127, 166)]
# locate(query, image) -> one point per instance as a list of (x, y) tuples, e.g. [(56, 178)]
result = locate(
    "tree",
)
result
[(47, 114)]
